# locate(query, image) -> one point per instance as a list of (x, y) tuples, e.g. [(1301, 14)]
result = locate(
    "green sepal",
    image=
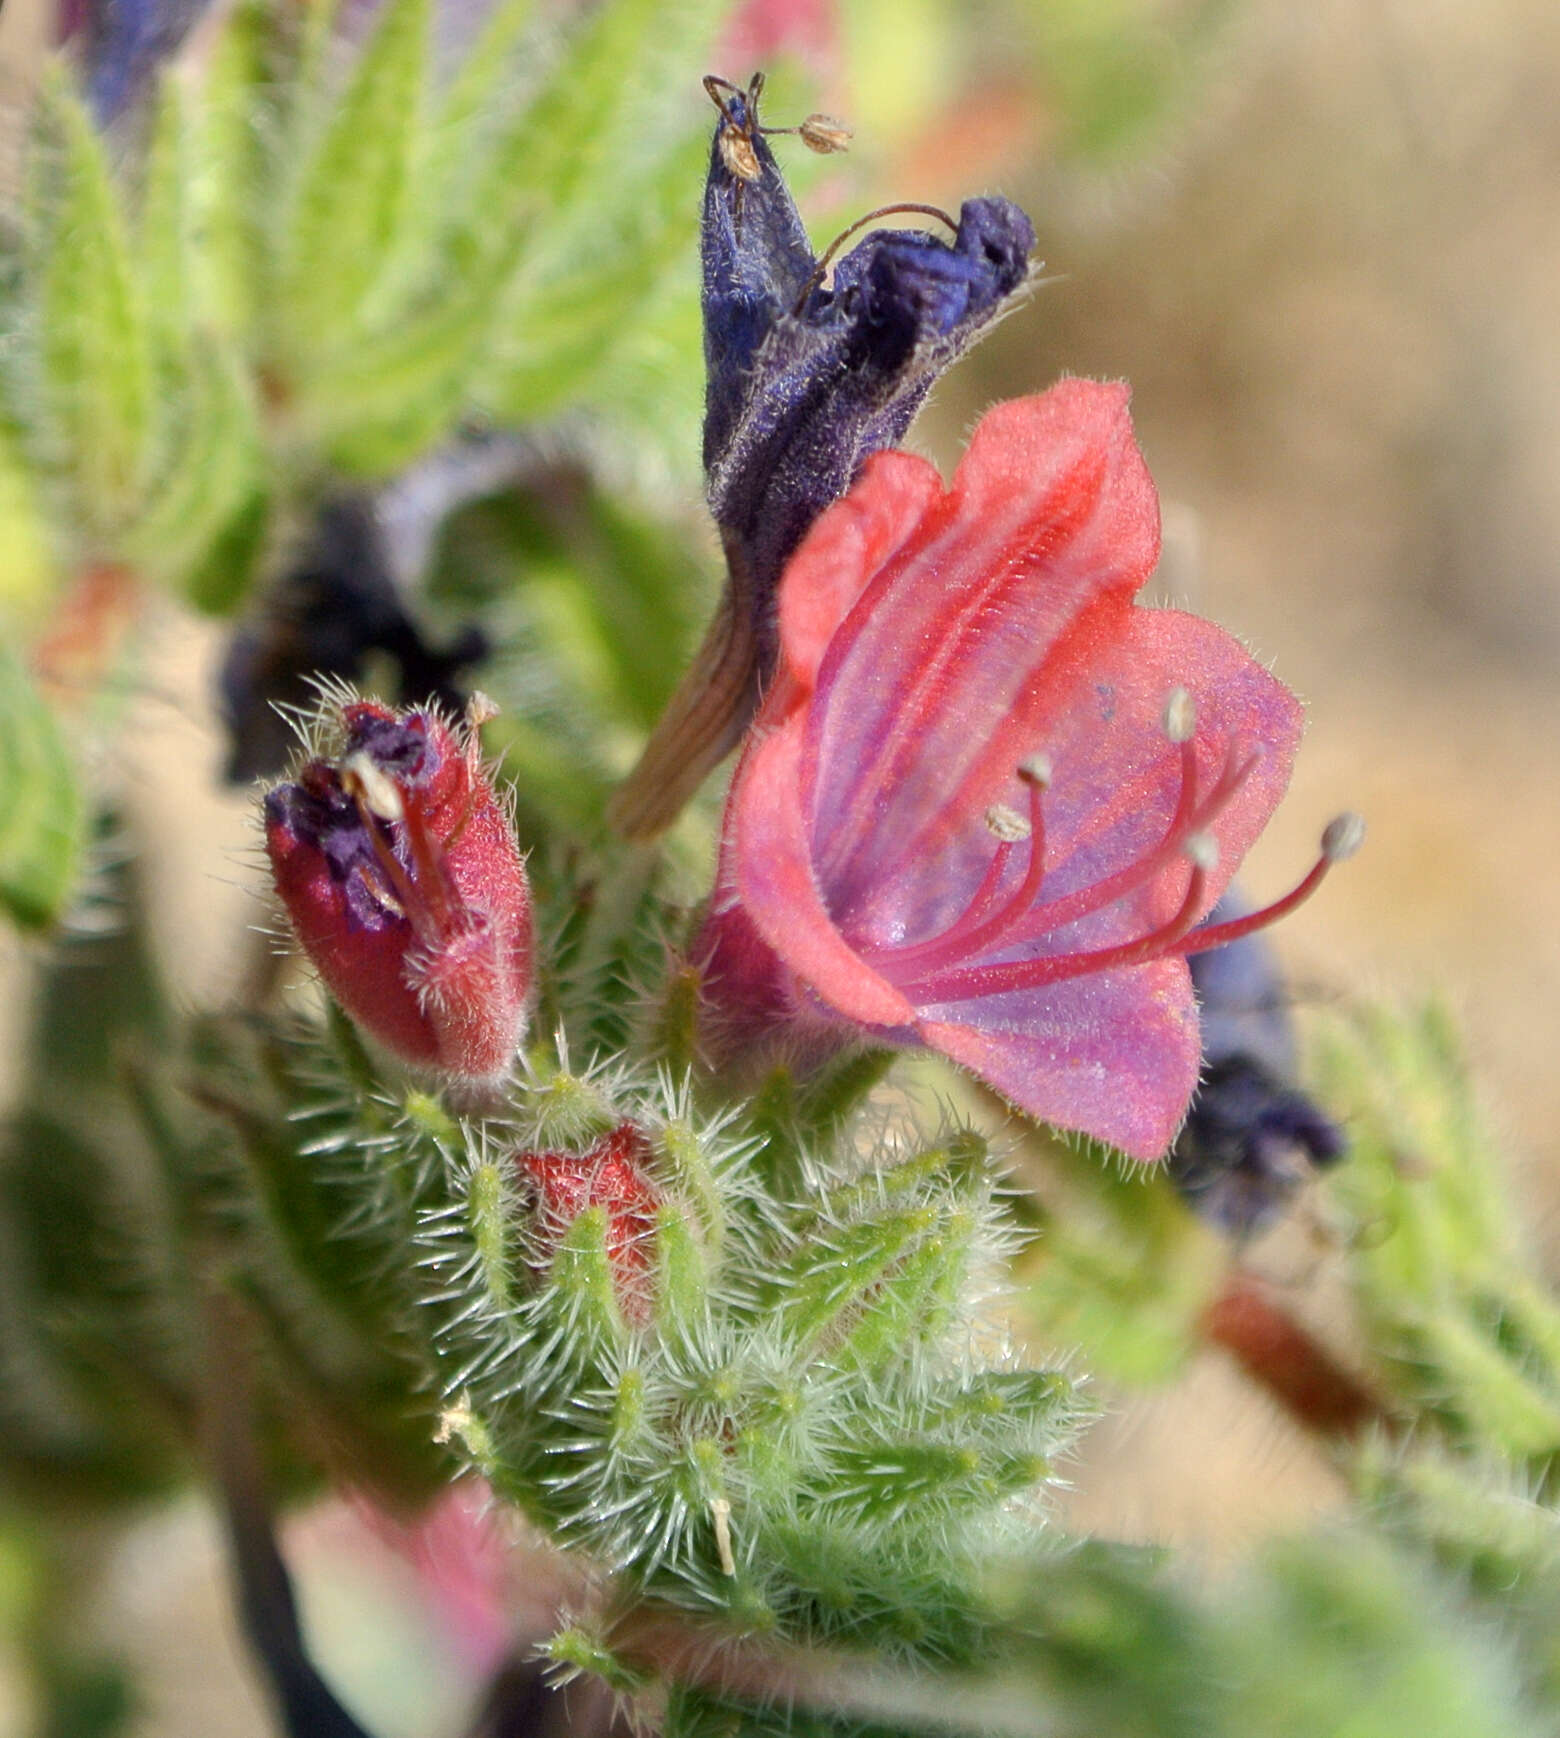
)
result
[(1440, 1273), (821, 1291), (1122, 1267), (580, 1295), (488, 1211), (233, 184), (42, 813), (164, 234), (889, 1481), (682, 1287), (916, 1299)]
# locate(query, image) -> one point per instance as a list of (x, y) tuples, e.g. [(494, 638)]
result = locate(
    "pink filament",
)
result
[(929, 970)]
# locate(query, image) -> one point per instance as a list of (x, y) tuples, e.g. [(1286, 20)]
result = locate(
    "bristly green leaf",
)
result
[(1447, 1294), (41, 810), (233, 169), (343, 215), (95, 353), (165, 231), (211, 483)]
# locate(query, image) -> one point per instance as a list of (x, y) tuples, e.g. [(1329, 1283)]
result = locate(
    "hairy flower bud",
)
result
[(397, 864), (613, 1175)]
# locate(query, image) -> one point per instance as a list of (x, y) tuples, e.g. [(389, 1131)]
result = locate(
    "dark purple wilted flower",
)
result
[(989, 800), (805, 379), (1251, 1136)]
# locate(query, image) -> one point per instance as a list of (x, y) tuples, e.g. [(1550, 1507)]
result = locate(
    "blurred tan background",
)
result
[(1333, 277)]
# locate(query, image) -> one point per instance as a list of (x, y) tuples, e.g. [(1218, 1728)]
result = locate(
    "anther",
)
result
[(1006, 824), (1180, 715), (1035, 769), (363, 779), (720, 1513), (1342, 837), (480, 709), (824, 134), (1201, 851), (740, 155)]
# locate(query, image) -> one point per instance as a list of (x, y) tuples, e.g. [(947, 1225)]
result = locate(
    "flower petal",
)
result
[(1096, 712), (767, 844), (1114, 1056), (1051, 512), (849, 545)]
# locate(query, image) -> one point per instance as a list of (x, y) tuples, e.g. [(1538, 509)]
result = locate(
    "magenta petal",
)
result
[(774, 881), (848, 546), (1114, 1056), (1052, 515)]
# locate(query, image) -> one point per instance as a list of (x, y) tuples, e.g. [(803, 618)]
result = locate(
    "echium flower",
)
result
[(805, 378), (396, 862), (989, 799)]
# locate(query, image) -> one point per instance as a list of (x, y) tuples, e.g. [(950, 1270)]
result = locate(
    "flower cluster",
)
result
[(988, 802)]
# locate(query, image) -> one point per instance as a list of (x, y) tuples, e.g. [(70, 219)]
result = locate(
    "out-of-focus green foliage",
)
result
[(41, 806), (327, 257), (1462, 1326)]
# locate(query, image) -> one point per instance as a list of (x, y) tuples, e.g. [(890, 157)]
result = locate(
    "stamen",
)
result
[(1341, 838), (972, 982), (825, 135), (1190, 816), (363, 778), (391, 866), (1006, 824), (973, 930), (825, 258), (1180, 716), (737, 149)]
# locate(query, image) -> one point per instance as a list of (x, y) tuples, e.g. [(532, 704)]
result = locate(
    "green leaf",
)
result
[(163, 242), (571, 309), (93, 336), (233, 167), (210, 485), (41, 810), (344, 216)]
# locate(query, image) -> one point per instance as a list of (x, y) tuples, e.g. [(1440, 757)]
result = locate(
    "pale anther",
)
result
[(720, 1510), (1202, 850), (822, 133), (1035, 769), (1007, 824), (1342, 837), (480, 709), (361, 777), (738, 153), (1180, 716)]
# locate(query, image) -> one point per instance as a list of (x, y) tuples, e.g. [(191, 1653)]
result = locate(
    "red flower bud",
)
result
[(397, 864), (614, 1174)]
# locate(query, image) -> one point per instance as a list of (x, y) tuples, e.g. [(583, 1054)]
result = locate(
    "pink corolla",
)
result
[(989, 798)]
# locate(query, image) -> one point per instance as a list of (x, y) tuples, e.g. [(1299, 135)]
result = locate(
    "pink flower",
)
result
[(988, 797), (397, 864)]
